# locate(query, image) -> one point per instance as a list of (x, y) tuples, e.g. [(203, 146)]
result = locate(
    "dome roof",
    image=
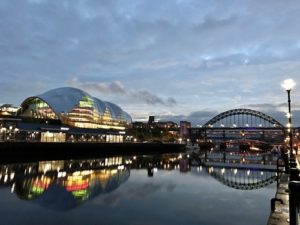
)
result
[(100, 105), (64, 99), (115, 110)]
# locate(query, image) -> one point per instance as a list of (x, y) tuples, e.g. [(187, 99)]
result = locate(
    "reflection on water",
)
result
[(243, 179), (65, 185)]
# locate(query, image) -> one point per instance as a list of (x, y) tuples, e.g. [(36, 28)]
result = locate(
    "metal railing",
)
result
[(294, 192), (279, 169)]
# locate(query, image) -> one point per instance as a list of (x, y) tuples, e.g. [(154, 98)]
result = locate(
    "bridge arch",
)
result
[(243, 179), (242, 117)]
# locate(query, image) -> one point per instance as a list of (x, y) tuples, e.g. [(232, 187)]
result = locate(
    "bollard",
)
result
[(273, 200), (293, 165), (277, 171), (150, 171), (294, 174), (285, 158), (294, 199)]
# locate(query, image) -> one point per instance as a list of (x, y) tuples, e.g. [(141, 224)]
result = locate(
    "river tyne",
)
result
[(133, 190)]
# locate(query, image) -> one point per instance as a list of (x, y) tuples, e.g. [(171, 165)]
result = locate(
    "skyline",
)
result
[(176, 60)]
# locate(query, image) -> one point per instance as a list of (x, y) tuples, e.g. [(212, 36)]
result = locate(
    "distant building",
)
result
[(151, 120), (8, 110), (166, 131), (184, 127), (166, 125), (139, 125)]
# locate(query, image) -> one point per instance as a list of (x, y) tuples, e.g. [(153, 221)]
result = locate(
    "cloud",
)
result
[(270, 106), (220, 50), (211, 23), (113, 199), (202, 117), (117, 88), (138, 191), (159, 64), (152, 99), (278, 111), (114, 87), (196, 117)]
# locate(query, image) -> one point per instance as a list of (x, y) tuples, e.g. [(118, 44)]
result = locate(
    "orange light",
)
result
[(77, 187)]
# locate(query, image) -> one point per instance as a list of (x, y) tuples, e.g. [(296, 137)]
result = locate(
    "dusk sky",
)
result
[(174, 59)]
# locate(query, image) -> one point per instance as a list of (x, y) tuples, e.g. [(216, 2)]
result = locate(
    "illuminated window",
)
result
[(37, 108), (53, 137)]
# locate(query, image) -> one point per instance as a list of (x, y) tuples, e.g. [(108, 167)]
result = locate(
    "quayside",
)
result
[(18, 151)]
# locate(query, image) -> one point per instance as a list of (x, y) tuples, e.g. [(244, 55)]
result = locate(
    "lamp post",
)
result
[(288, 85)]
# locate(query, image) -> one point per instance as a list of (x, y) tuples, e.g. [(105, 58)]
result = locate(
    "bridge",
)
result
[(244, 125), (242, 179)]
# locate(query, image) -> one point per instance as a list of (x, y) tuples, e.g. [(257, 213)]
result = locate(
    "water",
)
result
[(133, 190)]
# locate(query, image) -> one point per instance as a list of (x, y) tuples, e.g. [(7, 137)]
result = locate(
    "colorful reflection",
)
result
[(57, 185), (63, 185)]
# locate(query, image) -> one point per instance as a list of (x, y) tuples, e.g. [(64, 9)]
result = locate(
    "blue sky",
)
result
[(175, 59)]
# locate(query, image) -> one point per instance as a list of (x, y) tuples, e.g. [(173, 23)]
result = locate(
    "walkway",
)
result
[(281, 214)]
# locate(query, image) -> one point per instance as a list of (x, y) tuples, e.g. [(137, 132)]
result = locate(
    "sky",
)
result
[(174, 59)]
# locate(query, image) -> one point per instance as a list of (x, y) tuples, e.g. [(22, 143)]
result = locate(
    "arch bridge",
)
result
[(241, 178), (243, 118), (240, 124)]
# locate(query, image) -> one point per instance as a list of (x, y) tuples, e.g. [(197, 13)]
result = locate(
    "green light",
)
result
[(86, 102), (37, 190), (80, 193)]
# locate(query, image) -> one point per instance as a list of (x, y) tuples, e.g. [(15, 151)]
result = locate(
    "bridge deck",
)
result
[(241, 166)]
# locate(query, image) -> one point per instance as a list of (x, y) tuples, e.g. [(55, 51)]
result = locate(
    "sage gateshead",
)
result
[(66, 114)]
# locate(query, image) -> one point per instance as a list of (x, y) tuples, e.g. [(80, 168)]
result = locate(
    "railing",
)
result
[(294, 192), (294, 201), (265, 159), (294, 188), (279, 170)]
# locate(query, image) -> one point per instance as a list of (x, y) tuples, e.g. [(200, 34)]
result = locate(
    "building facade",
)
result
[(66, 114), (184, 127), (8, 110)]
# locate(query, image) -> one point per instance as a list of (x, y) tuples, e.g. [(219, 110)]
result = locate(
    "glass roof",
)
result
[(64, 99)]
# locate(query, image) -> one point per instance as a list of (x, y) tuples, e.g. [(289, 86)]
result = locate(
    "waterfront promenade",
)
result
[(280, 216), (24, 151)]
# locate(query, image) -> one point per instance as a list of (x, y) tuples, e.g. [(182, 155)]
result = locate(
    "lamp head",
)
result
[(288, 84)]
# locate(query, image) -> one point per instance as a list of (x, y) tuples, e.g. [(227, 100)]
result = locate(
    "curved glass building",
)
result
[(75, 108), (65, 115)]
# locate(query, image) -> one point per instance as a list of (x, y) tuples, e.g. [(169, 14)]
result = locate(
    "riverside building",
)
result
[(65, 114)]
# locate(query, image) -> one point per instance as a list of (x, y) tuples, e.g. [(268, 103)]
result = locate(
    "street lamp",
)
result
[(288, 85)]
